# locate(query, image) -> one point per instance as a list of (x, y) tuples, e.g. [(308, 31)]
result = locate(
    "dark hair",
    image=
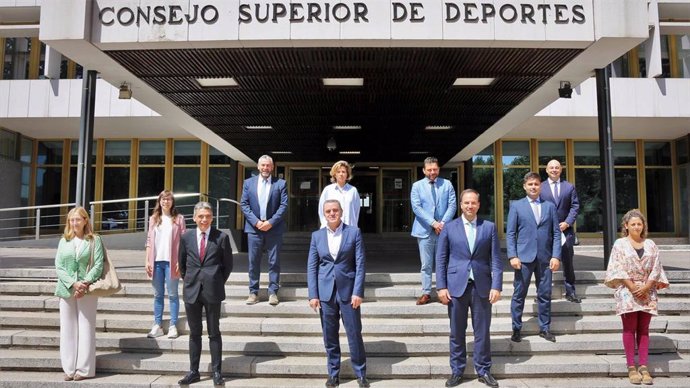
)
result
[(467, 191), (631, 214), (158, 212), (531, 175)]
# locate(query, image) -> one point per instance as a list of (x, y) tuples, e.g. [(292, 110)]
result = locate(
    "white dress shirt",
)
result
[(163, 239), (334, 239), (470, 230), (349, 201)]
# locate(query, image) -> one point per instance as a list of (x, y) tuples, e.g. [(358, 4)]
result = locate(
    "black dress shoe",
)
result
[(488, 380), (362, 381), (573, 298), (192, 377), (454, 381), (332, 382), (516, 337), (218, 379), (545, 334)]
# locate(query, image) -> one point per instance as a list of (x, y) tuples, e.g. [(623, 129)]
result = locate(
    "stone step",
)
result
[(281, 345), (311, 326), (538, 366), (381, 292), (387, 308), (54, 379)]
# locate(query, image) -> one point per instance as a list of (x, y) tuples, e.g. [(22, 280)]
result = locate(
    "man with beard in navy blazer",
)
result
[(335, 279), (469, 275), (205, 259), (533, 244)]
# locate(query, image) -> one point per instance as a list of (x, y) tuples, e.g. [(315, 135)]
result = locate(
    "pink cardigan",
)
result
[(178, 227)]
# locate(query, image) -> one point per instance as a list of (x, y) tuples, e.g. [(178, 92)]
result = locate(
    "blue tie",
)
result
[(470, 242), (433, 196), (263, 198)]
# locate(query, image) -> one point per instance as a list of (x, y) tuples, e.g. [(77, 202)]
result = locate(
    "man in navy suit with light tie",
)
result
[(335, 279), (533, 242), (562, 194), (469, 275), (264, 204)]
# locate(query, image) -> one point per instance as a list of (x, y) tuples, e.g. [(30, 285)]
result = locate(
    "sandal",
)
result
[(633, 375), (646, 377)]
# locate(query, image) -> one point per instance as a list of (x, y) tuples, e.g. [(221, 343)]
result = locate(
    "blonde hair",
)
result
[(88, 230), (632, 214), (336, 167)]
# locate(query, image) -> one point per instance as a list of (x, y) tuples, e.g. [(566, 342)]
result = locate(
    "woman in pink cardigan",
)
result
[(162, 248)]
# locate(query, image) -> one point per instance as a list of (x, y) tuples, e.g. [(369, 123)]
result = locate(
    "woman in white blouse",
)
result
[(341, 173)]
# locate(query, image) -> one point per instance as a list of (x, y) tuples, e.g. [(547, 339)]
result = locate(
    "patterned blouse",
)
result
[(626, 264)]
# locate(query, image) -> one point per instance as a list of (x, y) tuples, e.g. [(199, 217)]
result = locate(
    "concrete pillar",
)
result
[(53, 60)]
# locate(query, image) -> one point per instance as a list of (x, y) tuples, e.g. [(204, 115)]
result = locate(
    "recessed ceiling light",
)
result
[(419, 152), (473, 81), (350, 152), (281, 152), (343, 81), (258, 128), (346, 127), (216, 82), (437, 127)]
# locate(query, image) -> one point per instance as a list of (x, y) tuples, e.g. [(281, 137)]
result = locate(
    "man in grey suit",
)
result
[(533, 242), (205, 259), (335, 281), (264, 205)]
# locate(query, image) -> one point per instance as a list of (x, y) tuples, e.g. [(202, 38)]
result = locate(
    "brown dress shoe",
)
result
[(424, 299)]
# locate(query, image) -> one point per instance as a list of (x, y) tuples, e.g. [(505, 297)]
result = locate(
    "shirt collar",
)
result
[(530, 200), (345, 187), (198, 233), (337, 230), (465, 220), (552, 181)]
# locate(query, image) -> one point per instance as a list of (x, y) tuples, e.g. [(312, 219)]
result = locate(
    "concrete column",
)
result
[(652, 48), (52, 63)]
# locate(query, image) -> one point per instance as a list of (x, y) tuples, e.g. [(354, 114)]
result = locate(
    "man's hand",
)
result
[(494, 296), (443, 296), (356, 301), (438, 227), (515, 263), (554, 264), (315, 304), (264, 226), (563, 225)]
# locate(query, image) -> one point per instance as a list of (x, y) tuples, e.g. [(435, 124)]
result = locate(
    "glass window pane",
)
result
[(587, 153), (588, 184), (73, 183), (657, 153), (27, 150), (185, 181), (117, 151), (684, 190), (397, 210), (115, 215), (8, 144), (485, 157), (151, 182), (74, 152), (512, 188), (483, 182), (626, 191), (152, 152), (683, 50), (219, 185), (50, 152), (549, 150), (304, 200), (217, 157), (682, 151), (48, 184), (187, 152), (516, 153), (624, 153), (659, 199)]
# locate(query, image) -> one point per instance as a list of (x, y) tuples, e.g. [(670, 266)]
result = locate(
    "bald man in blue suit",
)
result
[(533, 243)]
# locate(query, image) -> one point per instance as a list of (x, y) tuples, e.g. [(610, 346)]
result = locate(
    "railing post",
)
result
[(38, 223), (146, 215), (217, 214)]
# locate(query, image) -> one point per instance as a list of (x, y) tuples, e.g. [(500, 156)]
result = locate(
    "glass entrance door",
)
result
[(397, 211), (304, 200), (366, 186)]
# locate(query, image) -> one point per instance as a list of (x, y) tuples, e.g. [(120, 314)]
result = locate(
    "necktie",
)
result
[(202, 246), (263, 189), (556, 194), (433, 197), (470, 236), (536, 210)]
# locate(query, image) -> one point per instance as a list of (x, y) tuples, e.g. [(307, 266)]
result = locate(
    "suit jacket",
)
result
[(71, 266), (529, 241), (207, 277), (423, 205), (454, 259), (178, 228), (275, 208), (567, 206), (344, 273)]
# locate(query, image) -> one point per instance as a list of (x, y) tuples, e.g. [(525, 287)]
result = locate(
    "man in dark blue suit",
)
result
[(335, 279), (205, 257), (264, 204), (469, 275), (533, 242), (562, 194)]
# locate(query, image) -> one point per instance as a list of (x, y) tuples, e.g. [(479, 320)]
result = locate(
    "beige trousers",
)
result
[(78, 335)]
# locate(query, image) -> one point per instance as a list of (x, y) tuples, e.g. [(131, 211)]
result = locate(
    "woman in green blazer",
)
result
[(77, 307)]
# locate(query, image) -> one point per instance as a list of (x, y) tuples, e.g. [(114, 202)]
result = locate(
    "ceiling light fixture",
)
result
[(343, 81), (331, 144), (473, 81), (216, 82), (281, 152), (419, 152), (258, 127), (347, 127), (438, 127), (350, 152)]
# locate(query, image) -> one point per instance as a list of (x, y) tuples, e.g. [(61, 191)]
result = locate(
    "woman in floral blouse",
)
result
[(636, 273)]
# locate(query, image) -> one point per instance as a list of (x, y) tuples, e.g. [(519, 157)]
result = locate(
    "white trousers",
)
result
[(78, 335)]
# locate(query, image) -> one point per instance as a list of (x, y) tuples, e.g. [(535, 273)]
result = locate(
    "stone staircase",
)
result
[(407, 345)]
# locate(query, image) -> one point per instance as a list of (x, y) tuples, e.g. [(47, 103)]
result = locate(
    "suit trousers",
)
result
[(481, 324), (330, 313), (78, 335), (195, 328), (427, 255), (258, 243), (567, 253), (521, 284)]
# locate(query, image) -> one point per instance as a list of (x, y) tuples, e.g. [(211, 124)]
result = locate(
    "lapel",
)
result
[(209, 240), (323, 244), (557, 201)]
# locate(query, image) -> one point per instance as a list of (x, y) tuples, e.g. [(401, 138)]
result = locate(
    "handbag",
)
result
[(108, 284)]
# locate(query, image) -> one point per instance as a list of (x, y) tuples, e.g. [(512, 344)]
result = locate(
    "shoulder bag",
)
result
[(108, 284)]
